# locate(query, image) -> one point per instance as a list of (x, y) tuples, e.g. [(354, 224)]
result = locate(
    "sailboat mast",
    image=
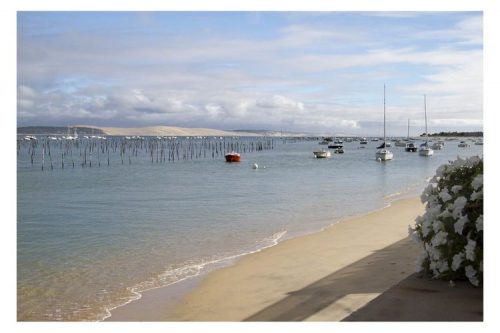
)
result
[(425, 112), (408, 136), (384, 115)]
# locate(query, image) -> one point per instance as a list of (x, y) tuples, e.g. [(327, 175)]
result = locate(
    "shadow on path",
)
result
[(373, 274), (421, 299)]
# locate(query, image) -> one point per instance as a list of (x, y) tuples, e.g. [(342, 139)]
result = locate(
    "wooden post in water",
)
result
[(43, 156)]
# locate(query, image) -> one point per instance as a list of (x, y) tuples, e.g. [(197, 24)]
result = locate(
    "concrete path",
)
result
[(421, 299)]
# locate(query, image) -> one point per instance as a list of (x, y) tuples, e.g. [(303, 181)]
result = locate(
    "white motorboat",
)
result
[(463, 144), (323, 153), (437, 146), (400, 143), (410, 147), (339, 151)]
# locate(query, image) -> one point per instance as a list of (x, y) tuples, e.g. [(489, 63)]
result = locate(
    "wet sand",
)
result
[(324, 276)]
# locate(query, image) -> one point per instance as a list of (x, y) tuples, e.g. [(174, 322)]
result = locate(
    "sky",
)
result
[(315, 72)]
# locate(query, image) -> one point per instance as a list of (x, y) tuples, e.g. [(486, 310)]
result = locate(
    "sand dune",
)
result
[(167, 131)]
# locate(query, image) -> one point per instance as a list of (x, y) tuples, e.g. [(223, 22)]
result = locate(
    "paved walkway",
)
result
[(379, 287), (421, 299)]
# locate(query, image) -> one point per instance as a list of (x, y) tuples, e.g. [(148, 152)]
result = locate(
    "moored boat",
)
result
[(326, 140), (400, 143), (336, 145), (410, 147), (323, 153), (437, 146), (425, 150), (232, 157), (383, 154), (463, 144)]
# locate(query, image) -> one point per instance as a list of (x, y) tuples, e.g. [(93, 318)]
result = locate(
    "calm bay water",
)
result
[(90, 239)]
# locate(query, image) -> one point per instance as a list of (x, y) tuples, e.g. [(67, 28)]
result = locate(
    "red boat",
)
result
[(232, 157)]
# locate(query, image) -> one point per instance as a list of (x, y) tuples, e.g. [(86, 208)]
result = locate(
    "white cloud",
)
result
[(307, 74), (25, 92), (280, 102), (349, 123)]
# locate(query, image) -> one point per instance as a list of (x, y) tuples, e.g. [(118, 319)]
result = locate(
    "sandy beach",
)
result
[(322, 276)]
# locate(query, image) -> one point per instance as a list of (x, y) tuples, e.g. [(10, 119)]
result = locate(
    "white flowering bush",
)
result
[(450, 232)]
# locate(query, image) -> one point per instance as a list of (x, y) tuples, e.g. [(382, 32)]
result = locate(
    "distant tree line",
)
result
[(58, 130), (477, 134)]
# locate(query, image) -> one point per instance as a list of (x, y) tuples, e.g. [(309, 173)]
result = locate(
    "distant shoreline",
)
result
[(456, 134), (186, 131), (146, 131)]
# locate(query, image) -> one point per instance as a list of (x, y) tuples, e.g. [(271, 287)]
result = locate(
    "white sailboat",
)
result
[(425, 150), (383, 154)]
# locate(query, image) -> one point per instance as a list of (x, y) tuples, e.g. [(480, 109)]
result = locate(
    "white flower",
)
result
[(419, 220), (470, 272), (469, 249), (473, 160), (433, 202), (457, 261), (426, 227), (440, 171), (479, 223), (459, 225), (433, 266), (437, 225), (444, 195), (459, 202), (420, 260), (442, 266), (476, 195), (458, 163), (433, 252), (434, 211), (427, 194), (439, 238), (414, 235), (444, 214), (458, 206), (434, 179), (477, 182), (445, 223)]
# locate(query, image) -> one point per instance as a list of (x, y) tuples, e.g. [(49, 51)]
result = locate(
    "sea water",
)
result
[(92, 239)]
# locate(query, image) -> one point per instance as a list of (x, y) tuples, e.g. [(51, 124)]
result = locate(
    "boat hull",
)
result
[(426, 152), (384, 155), (232, 157), (322, 154), (400, 144)]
